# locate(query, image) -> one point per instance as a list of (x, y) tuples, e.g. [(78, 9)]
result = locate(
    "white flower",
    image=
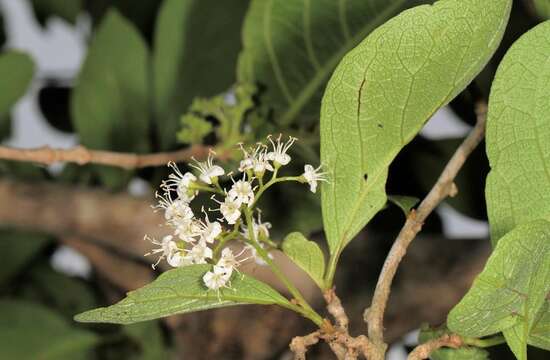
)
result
[(242, 192), (178, 259), (261, 230), (217, 278), (255, 160), (209, 230), (312, 176), (261, 164), (199, 253), (209, 172), (187, 230), (230, 210), (229, 260), (247, 162), (174, 210), (257, 258), (167, 246), (279, 155), (181, 183)]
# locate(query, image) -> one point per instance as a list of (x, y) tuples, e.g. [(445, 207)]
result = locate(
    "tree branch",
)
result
[(300, 344), (82, 156), (423, 351), (443, 188), (335, 308)]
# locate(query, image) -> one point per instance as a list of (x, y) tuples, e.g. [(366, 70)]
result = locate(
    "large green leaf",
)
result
[(307, 255), (111, 101), (543, 8), (540, 333), (196, 48), (384, 91), (508, 295), (16, 72), (31, 331), (518, 135), (292, 46), (18, 249), (148, 336), (181, 291)]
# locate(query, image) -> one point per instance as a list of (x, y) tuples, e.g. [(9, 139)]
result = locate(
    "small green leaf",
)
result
[(110, 103), (511, 290), (18, 249), (228, 113), (194, 129), (383, 92), (31, 331), (195, 54), (518, 138), (307, 255), (181, 291), (292, 47), (405, 203)]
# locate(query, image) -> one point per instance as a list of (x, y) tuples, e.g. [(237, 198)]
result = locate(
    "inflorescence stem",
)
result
[(305, 309)]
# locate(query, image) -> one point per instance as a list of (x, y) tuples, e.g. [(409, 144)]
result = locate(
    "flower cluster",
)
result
[(198, 240)]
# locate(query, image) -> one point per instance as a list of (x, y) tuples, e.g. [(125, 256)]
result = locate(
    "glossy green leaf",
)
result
[(405, 203), (518, 135), (508, 295), (111, 101), (16, 72), (292, 46), (181, 291), (307, 255), (67, 10), (542, 7), (31, 331), (383, 92), (195, 54)]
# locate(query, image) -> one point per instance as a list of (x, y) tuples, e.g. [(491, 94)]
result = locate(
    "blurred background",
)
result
[(152, 76)]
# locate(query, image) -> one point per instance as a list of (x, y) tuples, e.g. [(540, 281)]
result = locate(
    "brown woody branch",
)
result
[(82, 156), (423, 351), (443, 188)]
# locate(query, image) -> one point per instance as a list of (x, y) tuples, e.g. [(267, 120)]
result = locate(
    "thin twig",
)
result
[(423, 351), (335, 308), (300, 344), (82, 156), (444, 187)]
